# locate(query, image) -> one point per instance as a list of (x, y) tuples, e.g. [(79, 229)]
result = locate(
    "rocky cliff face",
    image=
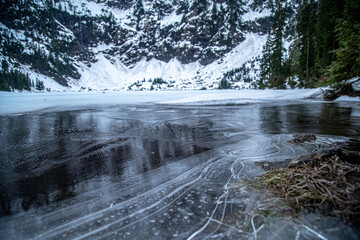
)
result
[(65, 39)]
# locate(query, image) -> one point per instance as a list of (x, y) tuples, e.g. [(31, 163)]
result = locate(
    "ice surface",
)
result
[(136, 171), (26, 102)]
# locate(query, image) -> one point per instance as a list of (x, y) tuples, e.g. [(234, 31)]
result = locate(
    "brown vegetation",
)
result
[(329, 184)]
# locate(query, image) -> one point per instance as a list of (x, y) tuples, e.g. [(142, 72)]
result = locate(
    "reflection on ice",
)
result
[(156, 172), (75, 151)]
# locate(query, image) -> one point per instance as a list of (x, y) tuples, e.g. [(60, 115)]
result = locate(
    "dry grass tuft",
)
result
[(330, 185)]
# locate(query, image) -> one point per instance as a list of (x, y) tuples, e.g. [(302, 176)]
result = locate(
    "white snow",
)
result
[(94, 8), (347, 99), (148, 70), (83, 6), (101, 47), (102, 75), (49, 83), (171, 19), (17, 103), (254, 15), (105, 74), (251, 47), (245, 96), (355, 82)]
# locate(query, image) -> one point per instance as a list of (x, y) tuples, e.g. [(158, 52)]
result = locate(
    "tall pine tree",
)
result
[(305, 39), (329, 13), (347, 63), (138, 13), (272, 63), (236, 9)]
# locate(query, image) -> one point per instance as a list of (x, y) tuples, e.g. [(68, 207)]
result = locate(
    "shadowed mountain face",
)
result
[(154, 171)]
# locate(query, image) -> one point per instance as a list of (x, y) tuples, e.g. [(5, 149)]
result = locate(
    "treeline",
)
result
[(325, 49), (242, 73), (52, 64), (11, 79)]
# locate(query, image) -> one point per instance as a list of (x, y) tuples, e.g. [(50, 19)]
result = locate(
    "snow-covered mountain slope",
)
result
[(135, 44), (105, 74)]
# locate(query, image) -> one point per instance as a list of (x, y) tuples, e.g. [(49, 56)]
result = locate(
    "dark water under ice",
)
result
[(159, 172)]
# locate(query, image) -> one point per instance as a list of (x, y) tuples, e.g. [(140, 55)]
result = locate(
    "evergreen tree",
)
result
[(161, 7), (278, 46), (110, 28), (236, 9), (347, 63), (4, 66), (183, 7), (329, 13), (199, 6), (39, 85), (265, 64), (138, 13), (224, 84), (272, 71), (305, 40), (214, 21)]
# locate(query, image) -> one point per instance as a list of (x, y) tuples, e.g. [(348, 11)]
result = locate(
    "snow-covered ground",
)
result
[(15, 103), (245, 96), (347, 99)]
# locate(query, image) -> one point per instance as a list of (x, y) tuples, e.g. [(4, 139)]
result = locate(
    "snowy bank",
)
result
[(347, 99), (14, 103)]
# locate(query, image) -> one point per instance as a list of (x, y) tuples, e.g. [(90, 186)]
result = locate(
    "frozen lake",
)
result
[(143, 171)]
